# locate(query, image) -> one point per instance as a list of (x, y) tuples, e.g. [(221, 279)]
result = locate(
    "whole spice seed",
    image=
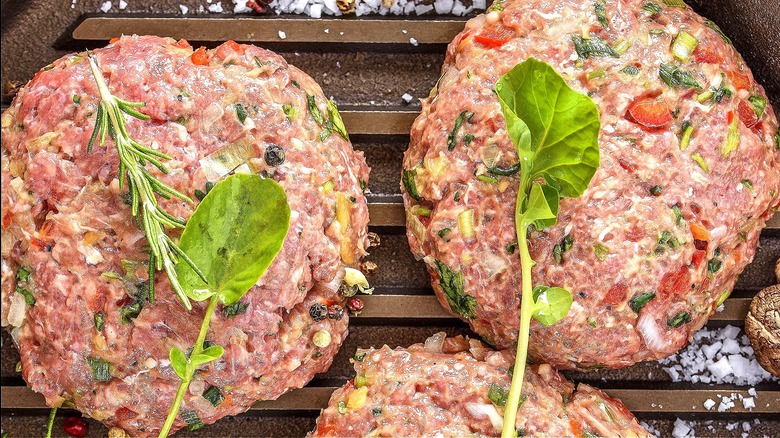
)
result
[(75, 426), (318, 312), (368, 268), (335, 312), (322, 338), (355, 305), (274, 155)]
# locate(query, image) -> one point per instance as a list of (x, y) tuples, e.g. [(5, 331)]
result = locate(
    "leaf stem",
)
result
[(526, 305), (185, 383), (50, 423)]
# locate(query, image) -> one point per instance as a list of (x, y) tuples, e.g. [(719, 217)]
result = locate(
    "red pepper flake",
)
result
[(75, 426), (650, 113), (698, 258), (746, 114), (675, 283), (494, 35), (616, 294)]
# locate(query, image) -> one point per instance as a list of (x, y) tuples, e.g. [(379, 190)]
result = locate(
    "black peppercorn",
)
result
[(318, 312), (335, 312), (274, 155)]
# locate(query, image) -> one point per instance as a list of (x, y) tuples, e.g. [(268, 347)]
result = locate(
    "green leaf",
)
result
[(498, 395), (179, 362), (453, 287), (542, 208), (554, 128), (233, 236), (208, 355), (551, 304)]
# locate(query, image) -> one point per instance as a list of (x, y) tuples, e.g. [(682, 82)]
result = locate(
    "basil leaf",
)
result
[(179, 362), (554, 128), (551, 304), (233, 236)]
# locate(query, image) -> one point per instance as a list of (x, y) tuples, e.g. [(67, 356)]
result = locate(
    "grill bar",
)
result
[(267, 30), (638, 401)]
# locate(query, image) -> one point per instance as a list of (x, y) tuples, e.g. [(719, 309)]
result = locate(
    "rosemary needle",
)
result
[(142, 185)]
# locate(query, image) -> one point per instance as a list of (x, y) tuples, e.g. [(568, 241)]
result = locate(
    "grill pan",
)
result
[(367, 64)]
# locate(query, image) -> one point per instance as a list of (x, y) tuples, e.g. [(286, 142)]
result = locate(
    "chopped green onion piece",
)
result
[(687, 132), (715, 27), (341, 407), (561, 248), (676, 77), (675, 3), (601, 251), (700, 161), (621, 46), (444, 232), (630, 70), (714, 265), (722, 298), (705, 96), (289, 111), (29, 299), (101, 370), (592, 47), (748, 184), (678, 216), (76, 99), (487, 179), (759, 105), (18, 367), (23, 275), (678, 320), (732, 139), (419, 210), (99, 318), (652, 8), (360, 380), (596, 73), (498, 395), (639, 300), (241, 113), (213, 395), (407, 178), (452, 137), (192, 420), (466, 223), (656, 190), (234, 309), (683, 46), (601, 12), (314, 110)]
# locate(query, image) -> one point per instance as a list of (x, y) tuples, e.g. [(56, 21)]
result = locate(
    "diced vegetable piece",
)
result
[(732, 139), (592, 47), (213, 395), (498, 395), (192, 420), (700, 232), (494, 35), (601, 251), (101, 370), (357, 399), (466, 223), (601, 12), (407, 178), (683, 46), (678, 320), (675, 3), (595, 74), (715, 27), (759, 105), (639, 300), (650, 112), (700, 161), (621, 46), (676, 77), (452, 137), (687, 132)]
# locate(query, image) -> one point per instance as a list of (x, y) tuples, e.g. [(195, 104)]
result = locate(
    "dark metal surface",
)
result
[(366, 70)]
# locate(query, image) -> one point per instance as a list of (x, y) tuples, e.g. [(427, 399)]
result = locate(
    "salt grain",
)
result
[(682, 429), (709, 404), (105, 7), (184, 9), (407, 97), (282, 35), (216, 8), (122, 4), (413, 41), (749, 403)]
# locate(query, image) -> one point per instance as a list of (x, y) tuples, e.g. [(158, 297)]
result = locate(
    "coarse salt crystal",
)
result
[(407, 97), (752, 391), (282, 35), (721, 368), (105, 7), (122, 4), (315, 11), (682, 429), (413, 41), (216, 8), (749, 403), (709, 404), (184, 9)]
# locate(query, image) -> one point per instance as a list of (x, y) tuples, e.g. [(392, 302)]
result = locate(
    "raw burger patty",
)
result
[(454, 387), (662, 223), (64, 220)]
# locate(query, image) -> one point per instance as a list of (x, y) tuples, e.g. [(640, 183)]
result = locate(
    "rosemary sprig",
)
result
[(142, 185)]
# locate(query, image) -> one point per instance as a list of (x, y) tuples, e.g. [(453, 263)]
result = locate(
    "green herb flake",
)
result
[(675, 3), (192, 420), (18, 368), (595, 74), (289, 111), (732, 139), (240, 113), (452, 285), (99, 318), (652, 8), (23, 275), (407, 177), (295, 84), (601, 13), (213, 395), (77, 99), (676, 77), (456, 197), (601, 251), (748, 184), (700, 161), (487, 179), (630, 70), (376, 412), (341, 407), (358, 357), (335, 118), (452, 137), (592, 47), (498, 395), (200, 194), (678, 216), (714, 265), (666, 240), (656, 190), (29, 299), (639, 300), (561, 248), (235, 309), (683, 46), (511, 248), (759, 105), (687, 132), (101, 370), (468, 138), (777, 141), (678, 320), (444, 232), (324, 134), (314, 110), (717, 30)]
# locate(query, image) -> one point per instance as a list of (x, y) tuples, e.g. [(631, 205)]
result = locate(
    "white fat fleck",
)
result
[(458, 366), (17, 310), (568, 229), (91, 254)]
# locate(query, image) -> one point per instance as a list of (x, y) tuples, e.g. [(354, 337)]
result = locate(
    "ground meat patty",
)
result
[(667, 222), (66, 222), (457, 387)]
